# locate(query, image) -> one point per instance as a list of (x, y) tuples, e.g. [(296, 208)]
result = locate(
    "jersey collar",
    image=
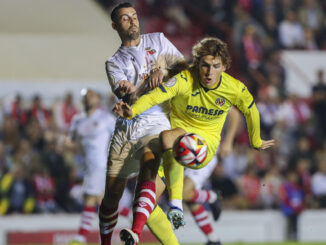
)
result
[(207, 89)]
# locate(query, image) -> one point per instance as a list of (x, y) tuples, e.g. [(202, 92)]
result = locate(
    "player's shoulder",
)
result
[(78, 117), (153, 35), (102, 112), (116, 58), (185, 75), (230, 81)]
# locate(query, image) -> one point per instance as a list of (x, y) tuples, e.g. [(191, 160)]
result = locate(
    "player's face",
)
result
[(128, 24), (91, 100), (210, 69)]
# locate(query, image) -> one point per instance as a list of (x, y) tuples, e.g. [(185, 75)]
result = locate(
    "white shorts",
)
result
[(130, 140), (94, 181), (200, 176)]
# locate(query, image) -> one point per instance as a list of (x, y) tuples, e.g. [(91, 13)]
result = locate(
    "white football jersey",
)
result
[(135, 63), (94, 133)]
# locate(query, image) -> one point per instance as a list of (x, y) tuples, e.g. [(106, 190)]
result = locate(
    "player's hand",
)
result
[(125, 87), (225, 149), (266, 144), (122, 109), (155, 78)]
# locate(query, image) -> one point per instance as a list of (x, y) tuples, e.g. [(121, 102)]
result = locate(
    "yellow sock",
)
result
[(173, 172), (161, 227)]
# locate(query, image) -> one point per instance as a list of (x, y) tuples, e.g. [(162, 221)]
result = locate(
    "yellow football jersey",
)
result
[(202, 110)]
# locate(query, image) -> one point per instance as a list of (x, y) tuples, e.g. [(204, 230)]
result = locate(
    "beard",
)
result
[(130, 35)]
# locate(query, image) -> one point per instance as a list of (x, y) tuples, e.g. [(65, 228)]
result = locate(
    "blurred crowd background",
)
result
[(39, 173)]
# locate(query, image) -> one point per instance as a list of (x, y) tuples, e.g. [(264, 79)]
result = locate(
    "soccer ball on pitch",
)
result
[(190, 150)]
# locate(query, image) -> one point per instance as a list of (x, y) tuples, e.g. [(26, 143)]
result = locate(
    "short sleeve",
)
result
[(114, 73), (172, 54)]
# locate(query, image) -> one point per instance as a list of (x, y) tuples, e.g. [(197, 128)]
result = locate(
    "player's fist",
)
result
[(125, 87), (122, 109), (155, 78)]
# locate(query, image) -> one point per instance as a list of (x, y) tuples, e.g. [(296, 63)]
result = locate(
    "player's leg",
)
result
[(145, 196), (193, 191), (120, 166), (145, 193), (157, 222), (196, 196), (204, 223), (108, 213), (93, 188), (173, 172), (88, 215)]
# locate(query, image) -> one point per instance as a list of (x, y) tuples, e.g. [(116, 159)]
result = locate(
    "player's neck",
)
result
[(131, 43), (90, 111)]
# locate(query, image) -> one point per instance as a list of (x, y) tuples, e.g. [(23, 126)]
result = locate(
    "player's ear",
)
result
[(114, 26), (223, 68)]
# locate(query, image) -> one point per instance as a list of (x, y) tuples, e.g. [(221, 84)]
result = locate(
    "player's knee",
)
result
[(167, 139)]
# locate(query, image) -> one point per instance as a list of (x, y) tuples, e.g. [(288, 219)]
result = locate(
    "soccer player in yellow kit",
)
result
[(201, 97)]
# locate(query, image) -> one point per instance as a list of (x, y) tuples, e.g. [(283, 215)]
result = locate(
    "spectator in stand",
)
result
[(291, 32), (274, 71), (252, 47), (303, 167), (302, 150), (35, 134), (225, 185), (242, 19), (291, 201), (44, 189), (249, 187), (18, 112), (10, 133), (319, 105), (270, 25), (309, 42), (285, 6), (38, 112), (235, 164), (269, 191), (26, 158), (16, 192), (268, 107), (293, 114), (65, 112), (319, 183), (59, 171), (311, 15), (5, 160)]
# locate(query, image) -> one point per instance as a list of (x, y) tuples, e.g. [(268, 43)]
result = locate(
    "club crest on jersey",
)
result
[(171, 82), (150, 51), (220, 101)]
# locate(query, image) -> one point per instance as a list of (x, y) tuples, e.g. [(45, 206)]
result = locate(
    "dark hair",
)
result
[(211, 46), (115, 10)]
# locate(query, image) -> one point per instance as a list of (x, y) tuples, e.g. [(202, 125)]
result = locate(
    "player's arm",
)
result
[(72, 140), (157, 96), (119, 83), (245, 102), (234, 121)]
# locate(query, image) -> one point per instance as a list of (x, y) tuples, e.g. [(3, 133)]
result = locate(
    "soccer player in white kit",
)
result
[(140, 63), (92, 130)]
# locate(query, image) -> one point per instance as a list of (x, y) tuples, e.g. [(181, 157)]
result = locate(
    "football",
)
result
[(190, 150)]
